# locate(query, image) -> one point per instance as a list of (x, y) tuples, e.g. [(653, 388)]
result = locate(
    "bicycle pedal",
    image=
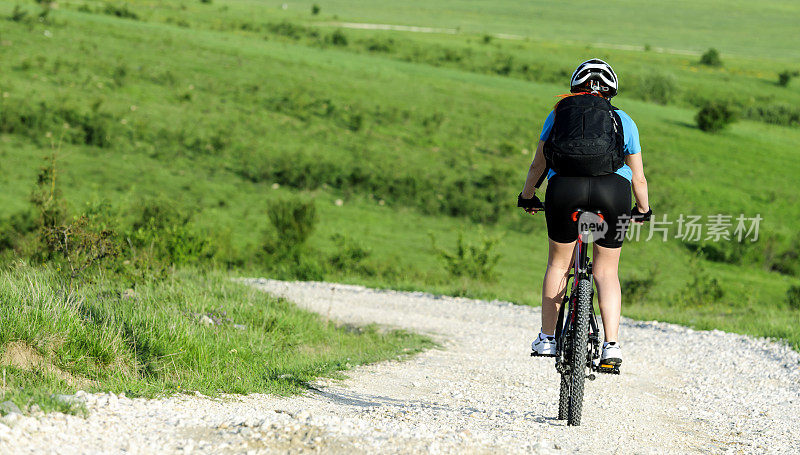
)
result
[(608, 368), (536, 354)]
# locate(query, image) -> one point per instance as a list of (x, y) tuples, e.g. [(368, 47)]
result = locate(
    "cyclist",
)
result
[(591, 155)]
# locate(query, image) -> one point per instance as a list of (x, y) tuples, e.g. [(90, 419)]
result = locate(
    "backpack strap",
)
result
[(544, 174)]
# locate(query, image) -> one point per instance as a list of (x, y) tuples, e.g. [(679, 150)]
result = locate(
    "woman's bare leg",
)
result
[(555, 283), (605, 263)]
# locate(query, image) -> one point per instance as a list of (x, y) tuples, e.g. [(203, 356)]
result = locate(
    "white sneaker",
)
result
[(612, 354), (544, 345)]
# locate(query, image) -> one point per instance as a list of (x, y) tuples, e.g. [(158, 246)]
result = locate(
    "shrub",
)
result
[(487, 39), (726, 252), (338, 38), (288, 30), (711, 58), (786, 76), (635, 290), (120, 11), (378, 44), (293, 221), (715, 116), (349, 256), (503, 65), (656, 87), (355, 122), (46, 196), (15, 228), (80, 245), (782, 257), (701, 290), (315, 9), (162, 233), (67, 123), (119, 75), (777, 114), (18, 14), (475, 260), (793, 297)]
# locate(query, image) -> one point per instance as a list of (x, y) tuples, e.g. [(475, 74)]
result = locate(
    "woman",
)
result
[(609, 193)]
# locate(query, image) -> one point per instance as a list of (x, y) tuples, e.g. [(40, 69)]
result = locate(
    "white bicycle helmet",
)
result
[(598, 74)]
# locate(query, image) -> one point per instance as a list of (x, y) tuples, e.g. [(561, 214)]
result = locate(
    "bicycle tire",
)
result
[(580, 341), (563, 397)]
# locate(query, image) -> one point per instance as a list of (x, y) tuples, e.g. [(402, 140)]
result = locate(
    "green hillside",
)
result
[(180, 127)]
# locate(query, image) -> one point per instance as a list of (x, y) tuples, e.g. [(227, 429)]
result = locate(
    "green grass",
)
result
[(221, 109), (153, 341), (734, 26)]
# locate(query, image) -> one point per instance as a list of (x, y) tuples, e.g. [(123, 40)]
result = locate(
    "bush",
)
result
[(793, 297), (379, 44), (14, 229), (635, 290), (80, 245), (777, 114), (349, 256), (120, 11), (711, 58), (656, 87), (475, 261), (315, 9), (39, 121), (286, 29), (338, 38), (786, 76), (781, 256), (293, 221), (284, 247), (161, 233), (715, 116), (701, 290), (18, 14), (732, 252)]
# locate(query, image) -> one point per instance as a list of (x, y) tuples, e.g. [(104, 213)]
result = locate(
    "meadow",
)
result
[(234, 138)]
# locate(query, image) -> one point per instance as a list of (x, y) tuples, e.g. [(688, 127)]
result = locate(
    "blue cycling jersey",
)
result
[(629, 130)]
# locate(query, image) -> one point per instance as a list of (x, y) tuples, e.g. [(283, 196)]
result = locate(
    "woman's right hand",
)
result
[(530, 205), (640, 215)]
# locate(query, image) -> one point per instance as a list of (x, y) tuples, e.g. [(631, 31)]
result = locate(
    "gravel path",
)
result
[(681, 391)]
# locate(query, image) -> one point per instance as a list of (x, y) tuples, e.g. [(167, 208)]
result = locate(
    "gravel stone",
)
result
[(479, 393), (9, 407)]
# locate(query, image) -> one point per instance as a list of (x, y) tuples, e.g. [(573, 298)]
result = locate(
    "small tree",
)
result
[(711, 58), (715, 116), (315, 9)]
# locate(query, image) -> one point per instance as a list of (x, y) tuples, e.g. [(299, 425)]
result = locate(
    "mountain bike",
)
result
[(577, 332)]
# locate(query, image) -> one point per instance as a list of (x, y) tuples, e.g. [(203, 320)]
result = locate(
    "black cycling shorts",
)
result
[(609, 194)]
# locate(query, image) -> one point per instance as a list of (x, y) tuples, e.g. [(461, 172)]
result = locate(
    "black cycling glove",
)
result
[(532, 204), (636, 215)]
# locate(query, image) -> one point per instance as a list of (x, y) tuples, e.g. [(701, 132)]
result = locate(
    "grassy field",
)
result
[(196, 331), (737, 27), (180, 128)]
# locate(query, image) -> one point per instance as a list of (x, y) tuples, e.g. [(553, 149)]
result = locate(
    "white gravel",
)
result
[(681, 391)]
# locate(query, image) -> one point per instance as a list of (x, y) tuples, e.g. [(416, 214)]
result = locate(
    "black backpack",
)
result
[(586, 139)]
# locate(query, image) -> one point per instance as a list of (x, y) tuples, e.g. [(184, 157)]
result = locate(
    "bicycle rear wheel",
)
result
[(580, 341), (563, 397)]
